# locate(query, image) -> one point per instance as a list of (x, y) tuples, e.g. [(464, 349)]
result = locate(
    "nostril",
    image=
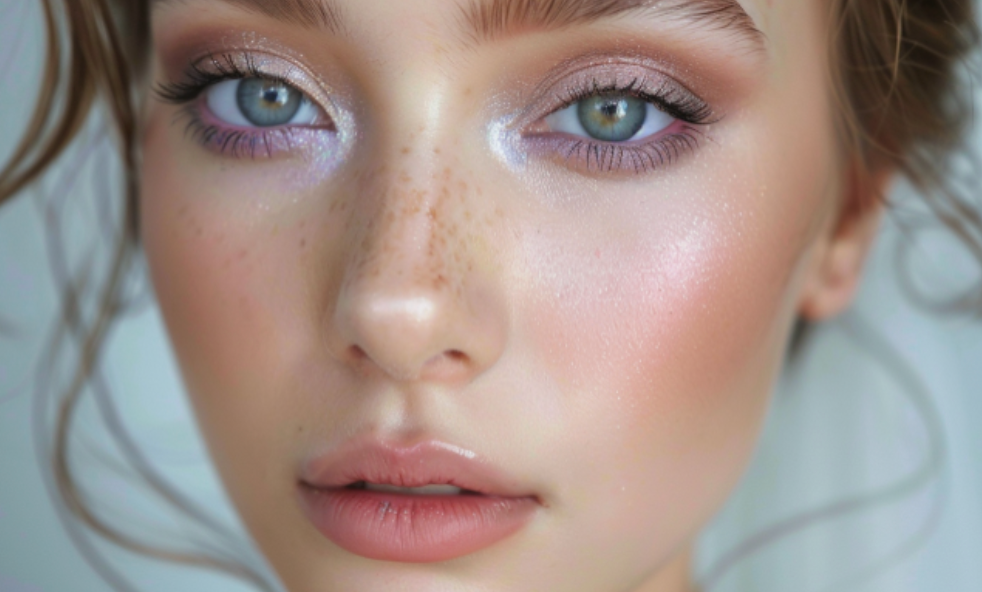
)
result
[(357, 354), (455, 355), (447, 365)]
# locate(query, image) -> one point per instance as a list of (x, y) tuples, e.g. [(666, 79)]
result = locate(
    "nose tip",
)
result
[(398, 334), (415, 337), (411, 303)]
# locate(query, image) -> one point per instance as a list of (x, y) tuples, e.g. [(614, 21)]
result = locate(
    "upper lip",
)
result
[(427, 462)]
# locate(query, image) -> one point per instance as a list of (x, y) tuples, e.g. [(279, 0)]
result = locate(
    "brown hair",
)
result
[(902, 103)]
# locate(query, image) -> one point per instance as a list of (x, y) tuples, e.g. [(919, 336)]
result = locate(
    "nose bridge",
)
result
[(406, 306), (411, 236)]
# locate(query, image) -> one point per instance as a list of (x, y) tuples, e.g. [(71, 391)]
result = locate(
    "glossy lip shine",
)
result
[(392, 526)]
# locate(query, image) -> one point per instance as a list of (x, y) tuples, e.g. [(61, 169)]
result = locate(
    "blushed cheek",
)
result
[(684, 310), (222, 286), (192, 263), (666, 337), (663, 341), (674, 301), (213, 271)]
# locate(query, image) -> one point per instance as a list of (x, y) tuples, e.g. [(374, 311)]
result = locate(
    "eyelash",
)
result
[(234, 142), (598, 156), (578, 153)]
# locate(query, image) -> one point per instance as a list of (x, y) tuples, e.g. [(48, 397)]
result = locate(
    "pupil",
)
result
[(614, 110), (274, 96)]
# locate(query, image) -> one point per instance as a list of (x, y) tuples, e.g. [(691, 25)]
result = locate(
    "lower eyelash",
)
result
[(251, 143), (604, 157)]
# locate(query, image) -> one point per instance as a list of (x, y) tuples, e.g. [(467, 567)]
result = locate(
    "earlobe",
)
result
[(837, 266)]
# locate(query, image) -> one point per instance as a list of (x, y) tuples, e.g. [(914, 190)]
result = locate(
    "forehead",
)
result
[(776, 36), (483, 20)]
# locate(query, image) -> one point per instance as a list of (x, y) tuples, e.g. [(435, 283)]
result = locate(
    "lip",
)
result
[(392, 526)]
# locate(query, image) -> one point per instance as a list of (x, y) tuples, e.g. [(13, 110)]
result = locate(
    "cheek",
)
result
[(666, 323), (215, 243), (682, 293)]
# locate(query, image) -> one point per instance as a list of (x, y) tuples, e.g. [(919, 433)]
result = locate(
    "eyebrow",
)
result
[(315, 14), (489, 20)]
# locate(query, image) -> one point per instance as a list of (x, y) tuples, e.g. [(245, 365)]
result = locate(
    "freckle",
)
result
[(404, 177), (303, 243), (436, 151), (406, 150), (468, 91)]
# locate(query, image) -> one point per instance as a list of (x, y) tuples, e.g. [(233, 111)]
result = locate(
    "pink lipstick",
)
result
[(423, 503)]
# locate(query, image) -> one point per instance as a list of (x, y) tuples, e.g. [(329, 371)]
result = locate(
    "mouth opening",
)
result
[(432, 489)]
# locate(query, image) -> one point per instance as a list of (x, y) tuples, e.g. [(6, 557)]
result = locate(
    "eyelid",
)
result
[(653, 125), (568, 84), (584, 77), (211, 68), (571, 80), (226, 90), (330, 136)]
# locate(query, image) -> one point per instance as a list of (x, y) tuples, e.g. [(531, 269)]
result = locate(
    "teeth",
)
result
[(425, 490)]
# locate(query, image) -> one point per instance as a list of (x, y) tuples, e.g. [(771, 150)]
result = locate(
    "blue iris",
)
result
[(612, 118), (266, 103)]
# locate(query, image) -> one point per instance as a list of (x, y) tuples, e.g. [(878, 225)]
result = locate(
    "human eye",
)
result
[(610, 117), (243, 106), (259, 102), (605, 126)]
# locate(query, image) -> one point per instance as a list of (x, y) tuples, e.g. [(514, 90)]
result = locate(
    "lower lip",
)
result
[(413, 528)]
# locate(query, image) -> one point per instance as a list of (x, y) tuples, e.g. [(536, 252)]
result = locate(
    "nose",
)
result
[(415, 303)]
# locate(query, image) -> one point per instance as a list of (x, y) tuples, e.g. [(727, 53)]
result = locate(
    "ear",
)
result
[(838, 257)]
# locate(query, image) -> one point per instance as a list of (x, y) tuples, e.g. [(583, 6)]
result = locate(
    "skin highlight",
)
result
[(611, 340)]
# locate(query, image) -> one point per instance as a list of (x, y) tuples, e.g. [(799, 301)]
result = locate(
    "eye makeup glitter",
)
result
[(309, 151)]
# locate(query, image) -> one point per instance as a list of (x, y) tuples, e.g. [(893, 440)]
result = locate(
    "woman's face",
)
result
[(549, 252)]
